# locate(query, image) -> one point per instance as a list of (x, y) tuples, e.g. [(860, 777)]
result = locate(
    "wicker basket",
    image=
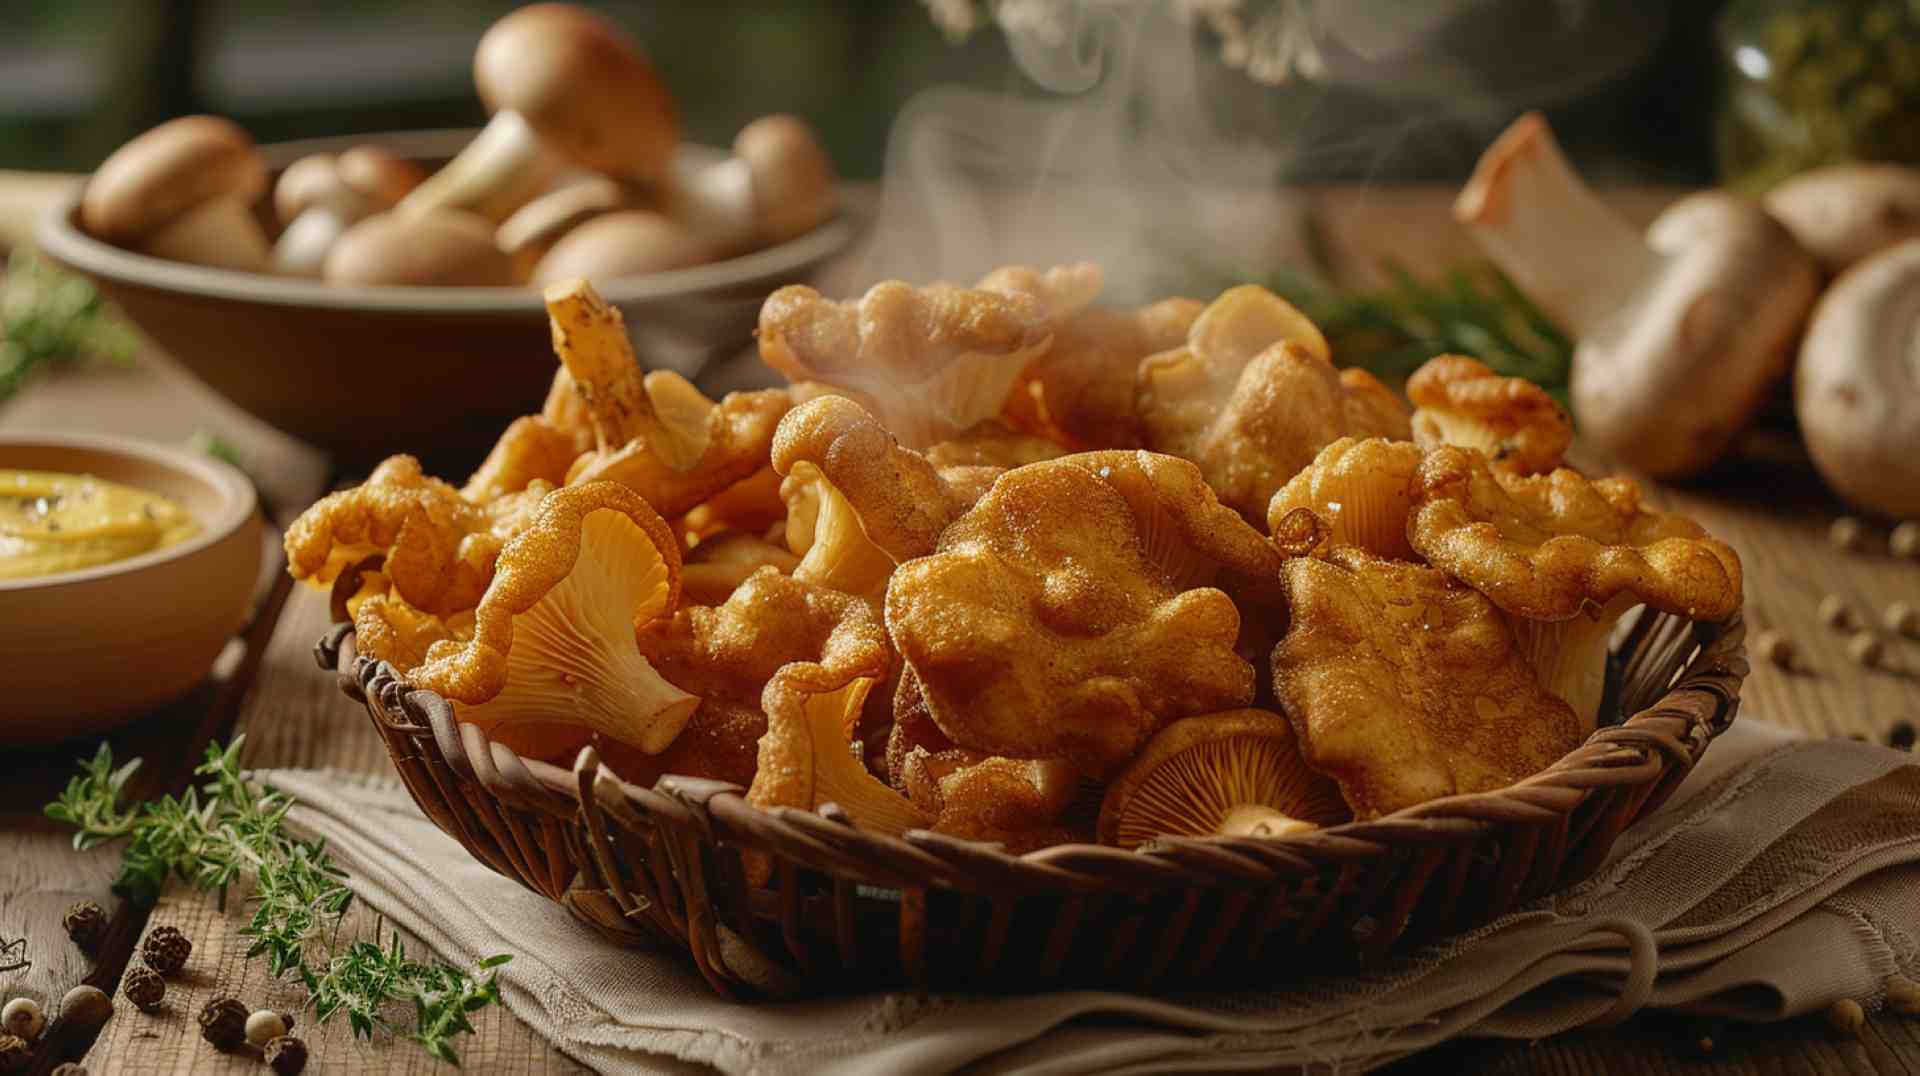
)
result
[(846, 909)]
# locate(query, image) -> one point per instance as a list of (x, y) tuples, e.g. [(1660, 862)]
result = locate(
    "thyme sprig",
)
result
[(49, 317), (230, 830)]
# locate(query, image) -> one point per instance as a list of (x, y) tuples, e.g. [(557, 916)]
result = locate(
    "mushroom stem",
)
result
[(502, 169), (1254, 820), (220, 232), (1540, 222)]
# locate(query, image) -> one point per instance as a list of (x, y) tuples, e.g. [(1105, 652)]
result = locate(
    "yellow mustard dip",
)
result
[(63, 522)]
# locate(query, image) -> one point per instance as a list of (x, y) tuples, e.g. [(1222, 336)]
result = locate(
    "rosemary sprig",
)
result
[(49, 317), (230, 830)]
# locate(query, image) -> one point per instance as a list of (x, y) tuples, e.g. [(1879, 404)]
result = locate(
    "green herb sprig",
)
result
[(230, 830), (49, 318)]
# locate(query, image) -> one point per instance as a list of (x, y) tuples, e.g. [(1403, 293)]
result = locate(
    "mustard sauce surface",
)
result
[(51, 522)]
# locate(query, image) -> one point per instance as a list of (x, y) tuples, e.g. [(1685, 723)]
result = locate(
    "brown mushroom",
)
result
[(1681, 333), (534, 228), (1847, 212), (778, 185), (632, 242), (184, 190), (438, 249), (565, 86), (1857, 387), (319, 197)]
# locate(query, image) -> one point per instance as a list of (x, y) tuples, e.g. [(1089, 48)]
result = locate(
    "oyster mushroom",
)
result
[(1236, 773), (778, 185), (806, 757), (1848, 212), (1681, 333), (446, 248), (1857, 388), (624, 243), (554, 636), (566, 87), (319, 197), (185, 191)]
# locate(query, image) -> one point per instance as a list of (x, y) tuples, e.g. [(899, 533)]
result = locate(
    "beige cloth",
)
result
[(1779, 879)]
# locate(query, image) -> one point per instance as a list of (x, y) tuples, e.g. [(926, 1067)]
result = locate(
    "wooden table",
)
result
[(267, 688)]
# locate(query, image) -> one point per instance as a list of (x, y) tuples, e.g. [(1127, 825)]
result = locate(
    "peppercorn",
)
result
[(145, 988), (86, 1007), (1836, 613), (223, 1022), (286, 1055), (166, 950), (23, 1017), (85, 922), (1865, 648), (1846, 1016), (1902, 619), (264, 1026), (70, 1068), (1774, 648), (1905, 539), (1847, 533), (1901, 736), (15, 1054)]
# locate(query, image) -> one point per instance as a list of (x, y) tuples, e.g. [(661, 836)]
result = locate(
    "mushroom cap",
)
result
[(441, 248), (541, 222), (168, 171), (1847, 212), (1191, 776), (628, 243), (307, 182), (1857, 388), (584, 85), (379, 175), (1694, 358), (793, 177)]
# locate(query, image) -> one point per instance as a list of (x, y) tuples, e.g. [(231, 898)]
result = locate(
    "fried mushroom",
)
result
[(1361, 489), (1017, 803), (1459, 401)]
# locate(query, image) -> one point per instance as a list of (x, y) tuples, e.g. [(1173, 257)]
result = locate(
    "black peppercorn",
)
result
[(223, 1022), (145, 988), (85, 922), (166, 950), (286, 1055)]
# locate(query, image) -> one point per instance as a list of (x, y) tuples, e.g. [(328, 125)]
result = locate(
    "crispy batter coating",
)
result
[(1548, 546), (992, 444), (930, 362), (1015, 802), (1052, 596), (1061, 290), (536, 447), (1080, 392), (590, 337), (696, 448), (387, 629), (1405, 685), (1362, 489), (553, 638), (717, 566), (1462, 402), (1371, 408), (752, 505)]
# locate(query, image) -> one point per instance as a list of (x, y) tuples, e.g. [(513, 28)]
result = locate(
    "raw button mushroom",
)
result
[(534, 228), (1681, 333), (565, 86), (1857, 388), (778, 185), (184, 191), (1849, 212), (629, 243), (319, 197), (440, 249)]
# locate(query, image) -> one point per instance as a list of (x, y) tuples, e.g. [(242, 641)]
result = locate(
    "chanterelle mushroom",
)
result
[(778, 185), (446, 248), (1848, 212), (1235, 773), (184, 190), (1857, 388), (1681, 333), (1459, 401), (564, 85), (320, 196)]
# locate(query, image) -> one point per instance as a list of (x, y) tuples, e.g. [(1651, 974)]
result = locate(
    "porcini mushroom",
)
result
[(185, 191), (1681, 333), (319, 197), (1236, 773), (778, 185), (565, 86), (534, 228), (1857, 389), (632, 242), (439, 249), (1848, 212)]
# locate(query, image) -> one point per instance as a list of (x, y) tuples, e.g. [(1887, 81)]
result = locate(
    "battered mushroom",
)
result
[(1857, 388), (540, 447), (184, 191), (1014, 802), (1846, 213), (778, 185), (319, 197), (1080, 392), (1459, 401), (1237, 773), (1363, 490), (565, 86), (445, 248), (1681, 335)]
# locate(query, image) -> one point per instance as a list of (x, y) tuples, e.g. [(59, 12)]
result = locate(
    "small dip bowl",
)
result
[(86, 650)]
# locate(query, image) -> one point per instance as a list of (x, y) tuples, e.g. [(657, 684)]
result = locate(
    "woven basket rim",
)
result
[(1674, 729)]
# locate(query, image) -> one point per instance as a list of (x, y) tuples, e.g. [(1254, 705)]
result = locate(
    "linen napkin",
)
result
[(1780, 878)]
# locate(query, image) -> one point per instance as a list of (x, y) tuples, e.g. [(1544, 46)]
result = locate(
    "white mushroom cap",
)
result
[(444, 248), (535, 227), (1848, 212), (1857, 388), (320, 196), (380, 175), (182, 190), (625, 244)]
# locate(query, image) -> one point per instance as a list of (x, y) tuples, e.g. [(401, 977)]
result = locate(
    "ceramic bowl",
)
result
[(87, 650), (364, 372)]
